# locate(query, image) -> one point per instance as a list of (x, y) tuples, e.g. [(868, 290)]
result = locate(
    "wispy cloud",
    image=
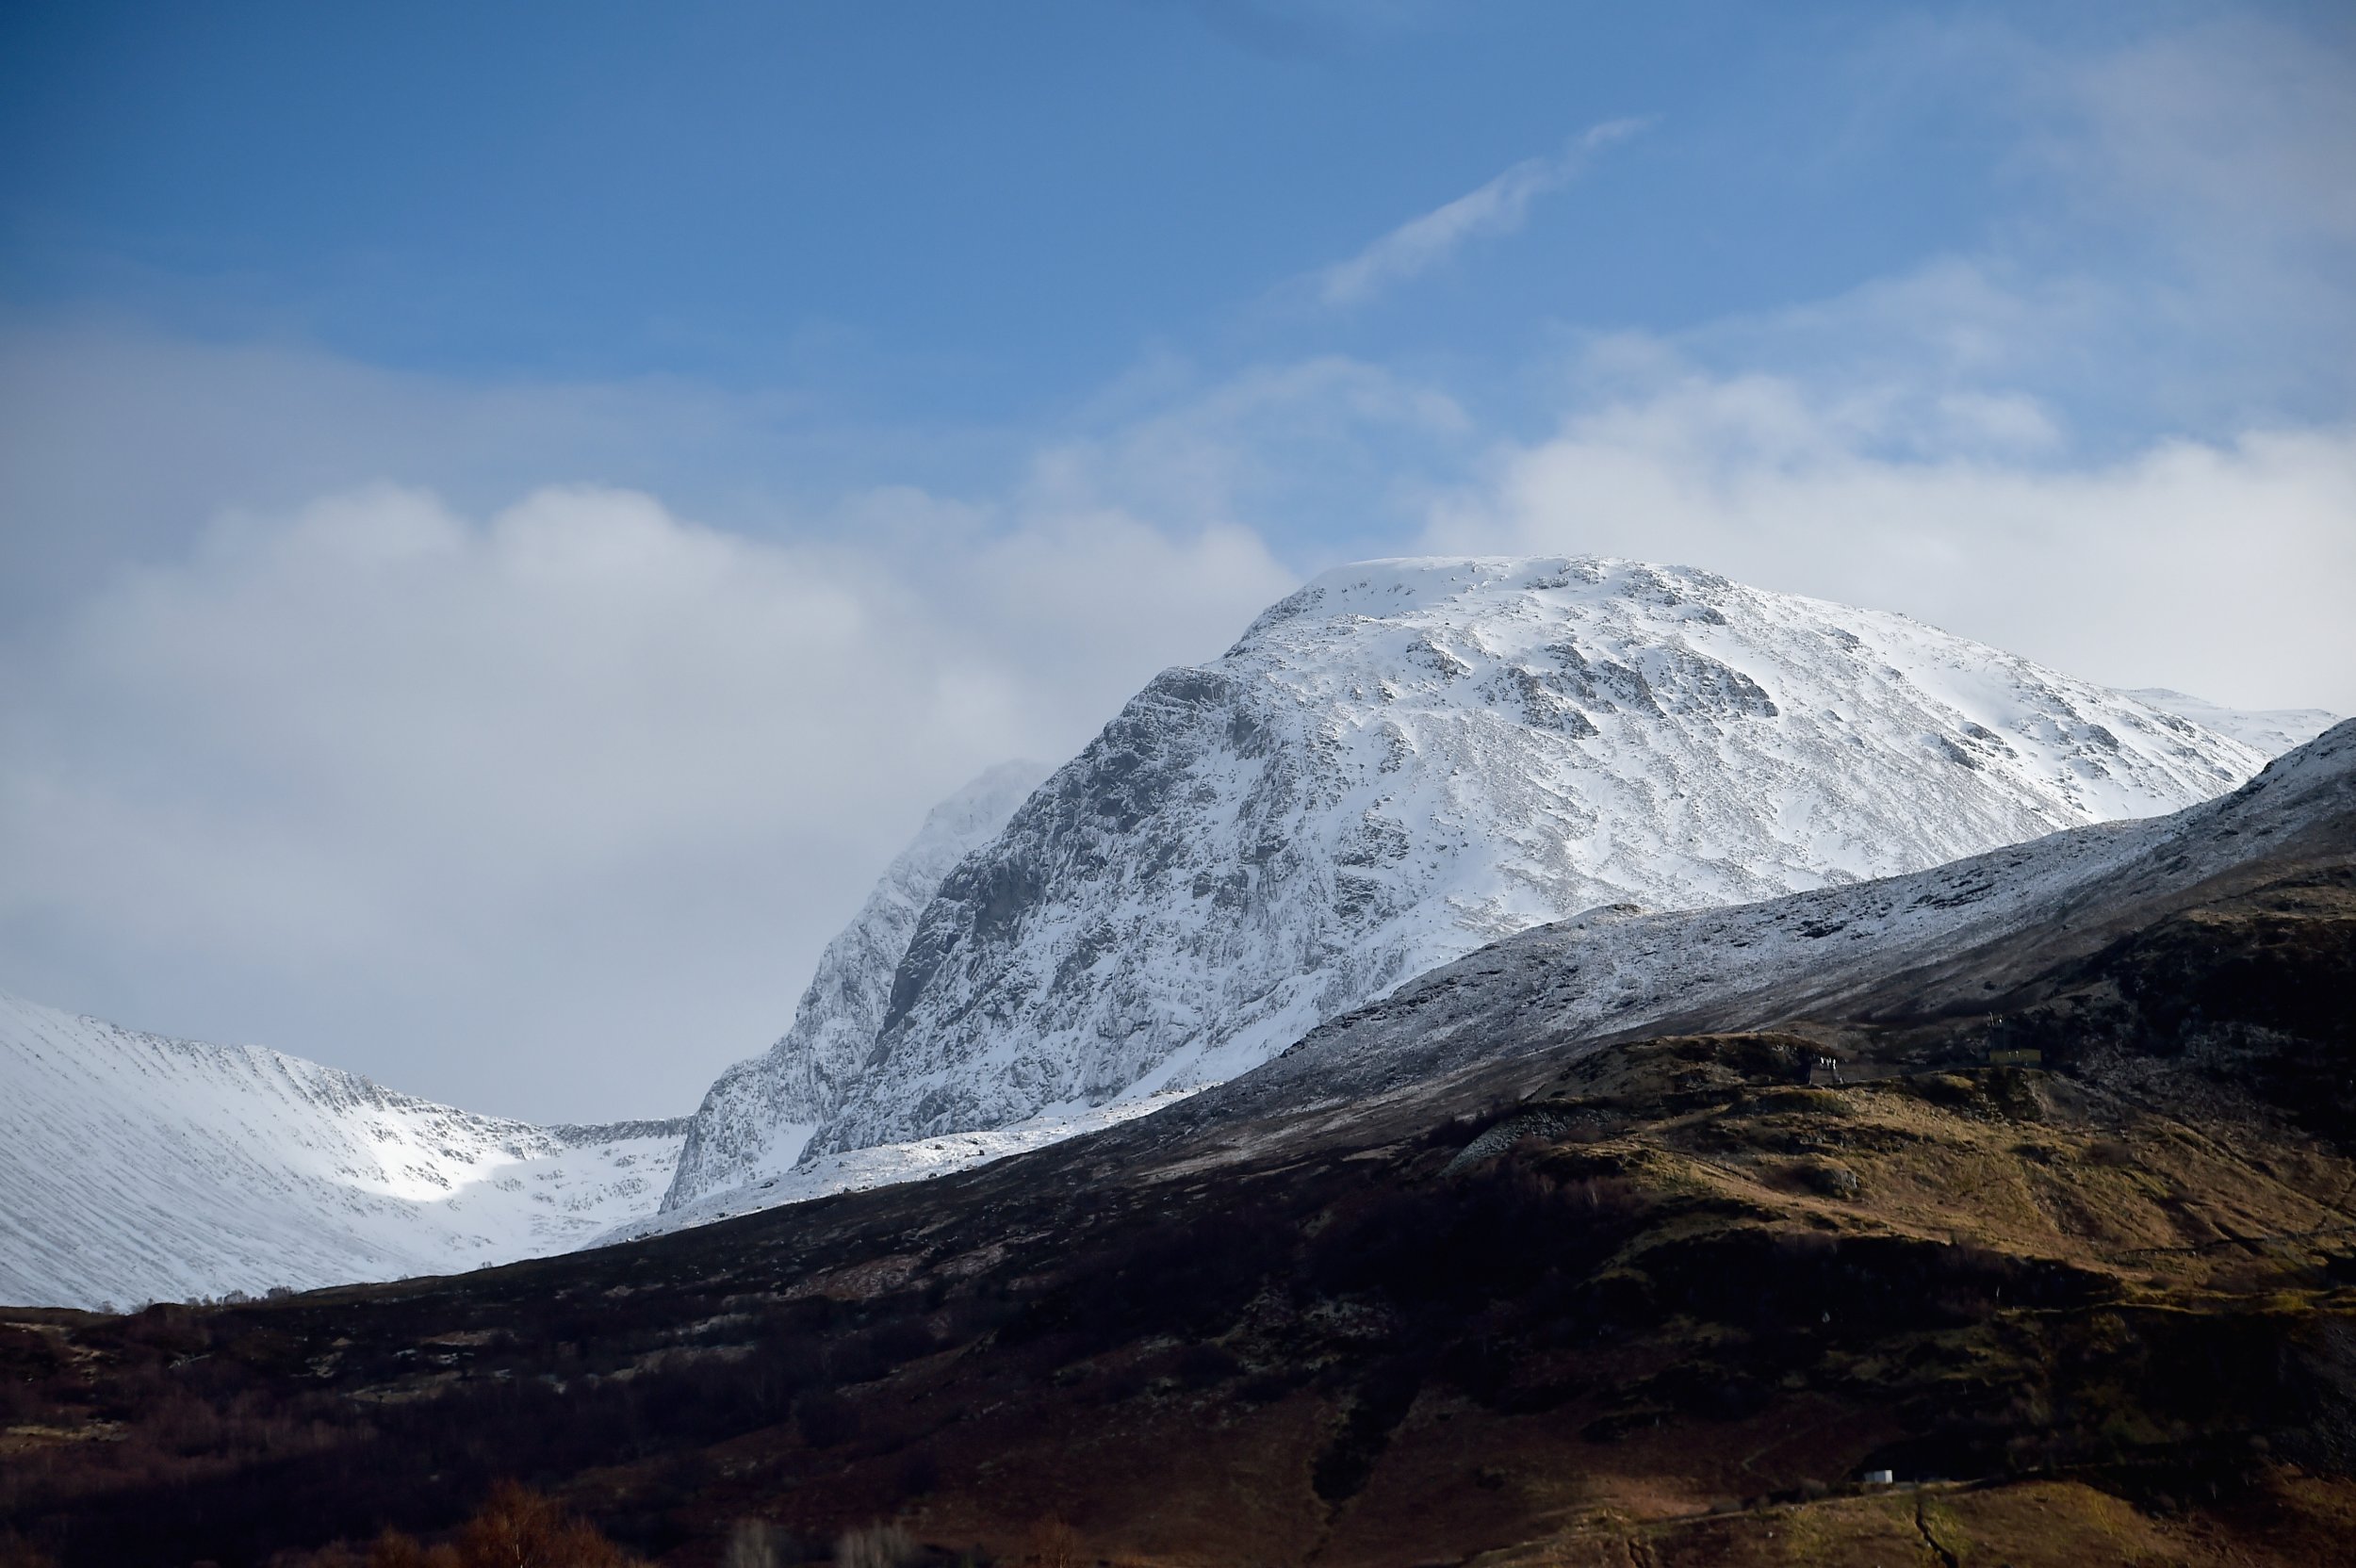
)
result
[(1498, 207)]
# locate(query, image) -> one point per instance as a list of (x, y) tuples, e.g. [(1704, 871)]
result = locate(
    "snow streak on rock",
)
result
[(756, 1118), (1405, 760), (135, 1167)]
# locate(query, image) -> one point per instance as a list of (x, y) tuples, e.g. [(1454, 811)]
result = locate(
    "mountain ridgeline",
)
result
[(1403, 762), (135, 1168), (1400, 764), (1997, 1212), (756, 1119)]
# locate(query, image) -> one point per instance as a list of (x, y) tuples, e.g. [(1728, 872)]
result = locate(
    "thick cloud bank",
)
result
[(540, 810)]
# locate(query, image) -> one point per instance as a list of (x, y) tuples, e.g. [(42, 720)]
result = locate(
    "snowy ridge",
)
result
[(885, 1164), (1611, 975), (137, 1167), (756, 1118), (1406, 760), (2273, 731)]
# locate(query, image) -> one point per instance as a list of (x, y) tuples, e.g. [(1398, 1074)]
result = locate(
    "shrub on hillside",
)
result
[(516, 1528), (17, 1552), (1055, 1545)]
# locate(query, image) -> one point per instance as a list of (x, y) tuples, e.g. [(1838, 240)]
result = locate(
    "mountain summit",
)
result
[(1407, 760)]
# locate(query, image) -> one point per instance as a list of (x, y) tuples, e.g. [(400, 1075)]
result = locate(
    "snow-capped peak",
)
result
[(1406, 760)]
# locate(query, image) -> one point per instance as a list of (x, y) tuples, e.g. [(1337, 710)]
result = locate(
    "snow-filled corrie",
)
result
[(135, 1167), (1407, 760)]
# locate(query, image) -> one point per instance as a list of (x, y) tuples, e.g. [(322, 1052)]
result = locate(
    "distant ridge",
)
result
[(2273, 731), (137, 1167)]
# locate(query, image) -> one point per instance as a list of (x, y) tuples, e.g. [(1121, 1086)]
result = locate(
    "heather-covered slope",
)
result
[(1405, 760), (134, 1167)]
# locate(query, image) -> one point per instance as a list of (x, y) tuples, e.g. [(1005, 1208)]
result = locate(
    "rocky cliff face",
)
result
[(1405, 760), (756, 1118)]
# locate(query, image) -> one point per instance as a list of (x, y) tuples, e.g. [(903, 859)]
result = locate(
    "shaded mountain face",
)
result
[(134, 1167), (756, 1118), (2063, 1242), (1405, 760)]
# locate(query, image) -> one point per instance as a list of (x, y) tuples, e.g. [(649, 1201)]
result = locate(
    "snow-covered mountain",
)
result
[(1949, 941), (135, 1167), (756, 1118), (1408, 760), (1945, 941), (1399, 763), (2273, 731)]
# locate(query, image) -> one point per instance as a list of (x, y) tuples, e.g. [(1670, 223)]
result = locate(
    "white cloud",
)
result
[(2213, 160), (2219, 567), (1498, 207), (548, 805), (549, 811), (2183, 217), (2117, 436)]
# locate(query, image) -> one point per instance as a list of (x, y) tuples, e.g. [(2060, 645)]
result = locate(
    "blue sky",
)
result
[(981, 211), (741, 422), (988, 213)]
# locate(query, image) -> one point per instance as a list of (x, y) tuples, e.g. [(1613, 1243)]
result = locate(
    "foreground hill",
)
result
[(1407, 760), (2063, 1241), (134, 1167)]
